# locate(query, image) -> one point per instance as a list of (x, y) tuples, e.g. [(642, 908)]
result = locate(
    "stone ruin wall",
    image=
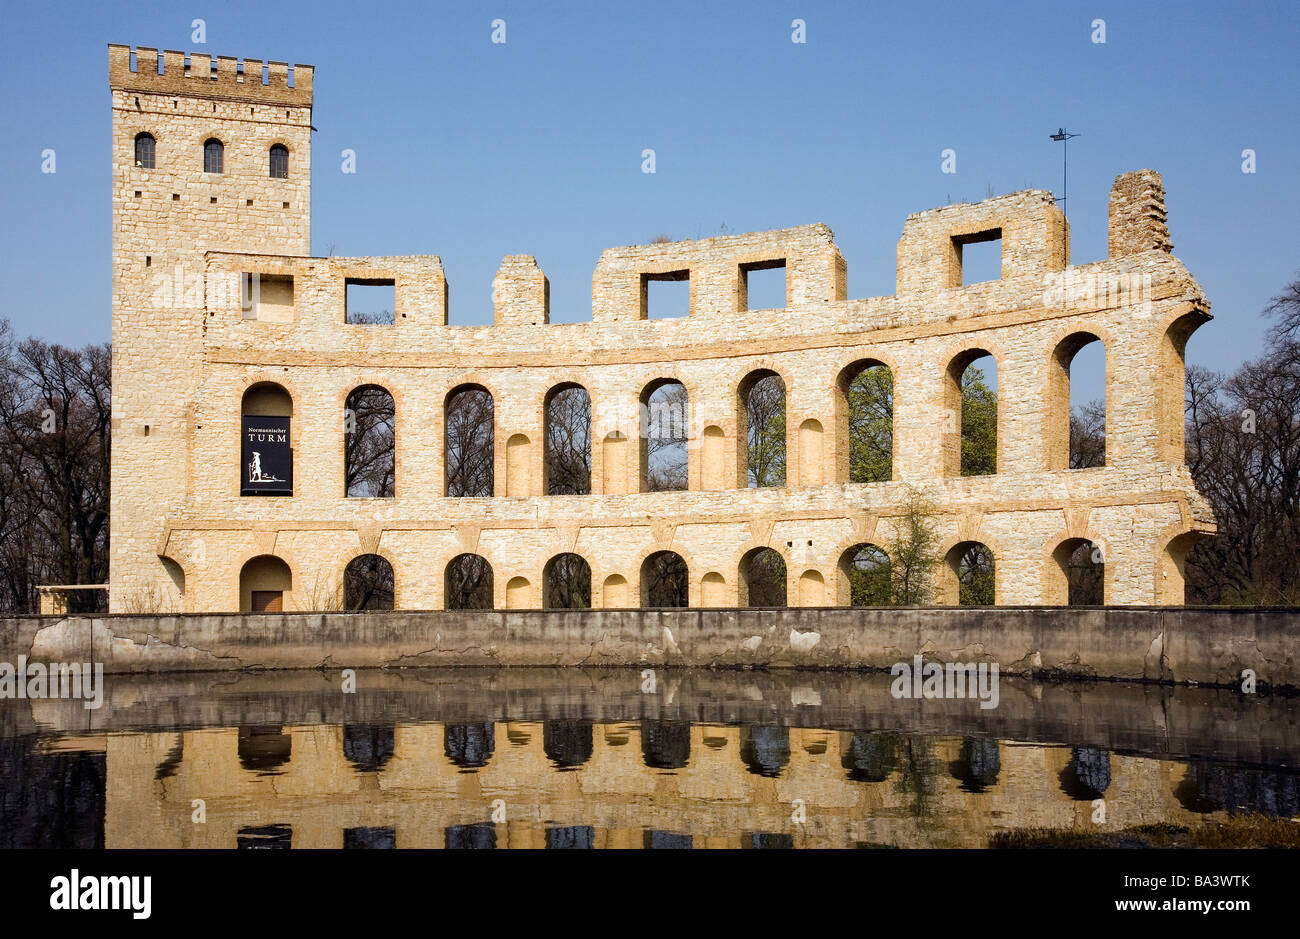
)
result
[(182, 531)]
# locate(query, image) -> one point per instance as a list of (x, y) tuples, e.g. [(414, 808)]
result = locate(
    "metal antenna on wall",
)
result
[(1064, 137)]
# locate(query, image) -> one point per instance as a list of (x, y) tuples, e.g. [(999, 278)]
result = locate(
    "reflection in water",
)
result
[(274, 837), (480, 835), (765, 750), (1214, 787), (978, 764), (568, 744), (869, 757), (263, 749), (50, 800), (665, 839), (565, 760), (573, 836), (1087, 776), (368, 746), (665, 744), (373, 838), (172, 761), (469, 746)]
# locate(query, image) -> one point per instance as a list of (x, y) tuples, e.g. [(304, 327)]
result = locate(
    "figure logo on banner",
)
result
[(255, 471), (268, 456)]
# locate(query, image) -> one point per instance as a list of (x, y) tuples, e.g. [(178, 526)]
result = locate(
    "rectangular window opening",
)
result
[(267, 298), (370, 301), (666, 295), (978, 257), (763, 285)]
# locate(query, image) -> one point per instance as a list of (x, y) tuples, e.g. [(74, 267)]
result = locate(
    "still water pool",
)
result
[(550, 758)]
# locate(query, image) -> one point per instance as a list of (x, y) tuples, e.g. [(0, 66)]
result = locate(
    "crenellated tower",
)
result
[(208, 154)]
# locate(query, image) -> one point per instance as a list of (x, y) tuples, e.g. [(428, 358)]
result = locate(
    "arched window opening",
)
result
[(279, 162), (970, 575), (369, 444), (1171, 378), (145, 147), (567, 582), (568, 441), (761, 423), (265, 583), (368, 584), (266, 450), (213, 156), (468, 583), (665, 581), (470, 442), (665, 422), (762, 578), (1081, 573), (1171, 572), (867, 406), (865, 577), (1076, 419), (971, 415), (173, 587)]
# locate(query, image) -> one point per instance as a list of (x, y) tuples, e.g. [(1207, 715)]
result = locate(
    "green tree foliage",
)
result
[(765, 416), (871, 425), (979, 425), (975, 576), (870, 580), (913, 552)]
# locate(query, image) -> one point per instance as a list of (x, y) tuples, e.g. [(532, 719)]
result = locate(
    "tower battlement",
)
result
[(202, 75)]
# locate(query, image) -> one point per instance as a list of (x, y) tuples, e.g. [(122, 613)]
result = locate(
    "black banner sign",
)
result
[(267, 456)]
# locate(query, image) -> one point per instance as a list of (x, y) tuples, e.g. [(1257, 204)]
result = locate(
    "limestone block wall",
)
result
[(164, 218), (182, 531)]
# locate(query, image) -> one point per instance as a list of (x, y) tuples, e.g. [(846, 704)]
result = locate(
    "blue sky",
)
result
[(473, 150)]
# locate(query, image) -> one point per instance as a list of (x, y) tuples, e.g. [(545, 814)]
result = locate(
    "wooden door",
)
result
[(268, 601)]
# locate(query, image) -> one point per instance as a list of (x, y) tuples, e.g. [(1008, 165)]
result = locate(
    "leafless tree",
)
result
[(665, 422), (369, 454), (568, 442), (470, 443), (568, 583), (665, 581), (1243, 446), (1088, 435), (1285, 311), (764, 577), (55, 418), (368, 584), (469, 583)]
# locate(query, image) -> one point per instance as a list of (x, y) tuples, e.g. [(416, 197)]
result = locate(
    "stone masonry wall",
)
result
[(182, 533)]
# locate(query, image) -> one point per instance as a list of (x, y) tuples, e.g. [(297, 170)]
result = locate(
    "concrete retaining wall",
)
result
[(1208, 646)]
